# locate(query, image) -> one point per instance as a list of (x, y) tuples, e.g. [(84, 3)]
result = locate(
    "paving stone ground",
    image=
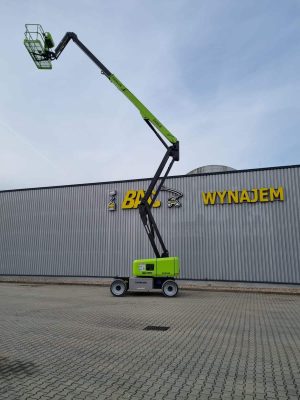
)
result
[(79, 342)]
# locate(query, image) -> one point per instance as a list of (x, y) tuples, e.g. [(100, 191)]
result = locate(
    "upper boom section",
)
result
[(145, 113), (46, 55)]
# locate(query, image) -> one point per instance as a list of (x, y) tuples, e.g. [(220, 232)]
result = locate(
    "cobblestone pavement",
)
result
[(78, 342)]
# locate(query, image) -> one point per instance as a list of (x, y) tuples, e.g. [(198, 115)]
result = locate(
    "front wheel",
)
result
[(170, 288), (118, 287)]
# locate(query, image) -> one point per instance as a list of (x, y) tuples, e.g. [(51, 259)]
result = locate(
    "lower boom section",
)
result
[(150, 274)]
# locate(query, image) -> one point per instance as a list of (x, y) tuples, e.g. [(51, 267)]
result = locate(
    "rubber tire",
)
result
[(166, 286), (118, 288)]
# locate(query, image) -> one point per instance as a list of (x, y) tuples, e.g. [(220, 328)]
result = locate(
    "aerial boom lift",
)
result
[(160, 272)]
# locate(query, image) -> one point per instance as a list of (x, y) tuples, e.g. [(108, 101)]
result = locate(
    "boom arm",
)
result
[(146, 114), (171, 153)]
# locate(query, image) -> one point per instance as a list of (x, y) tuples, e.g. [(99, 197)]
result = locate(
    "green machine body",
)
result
[(156, 267)]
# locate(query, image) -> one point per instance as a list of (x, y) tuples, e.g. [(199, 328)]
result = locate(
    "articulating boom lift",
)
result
[(159, 272)]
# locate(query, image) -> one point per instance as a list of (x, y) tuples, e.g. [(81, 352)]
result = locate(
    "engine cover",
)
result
[(156, 267)]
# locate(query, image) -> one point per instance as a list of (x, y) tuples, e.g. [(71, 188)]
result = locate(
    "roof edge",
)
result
[(146, 179)]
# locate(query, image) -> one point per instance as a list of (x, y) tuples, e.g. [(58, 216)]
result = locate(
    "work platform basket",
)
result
[(38, 43)]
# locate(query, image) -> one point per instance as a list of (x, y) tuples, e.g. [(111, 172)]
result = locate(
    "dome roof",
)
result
[(210, 168)]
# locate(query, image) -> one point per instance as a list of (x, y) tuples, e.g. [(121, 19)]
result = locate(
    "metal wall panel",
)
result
[(69, 231)]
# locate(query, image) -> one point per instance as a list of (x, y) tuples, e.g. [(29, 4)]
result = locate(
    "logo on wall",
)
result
[(112, 205), (132, 199), (173, 201)]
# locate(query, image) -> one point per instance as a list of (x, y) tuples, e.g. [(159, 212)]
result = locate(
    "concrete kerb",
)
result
[(213, 286)]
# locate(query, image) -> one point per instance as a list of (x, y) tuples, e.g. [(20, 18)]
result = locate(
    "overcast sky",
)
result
[(223, 76)]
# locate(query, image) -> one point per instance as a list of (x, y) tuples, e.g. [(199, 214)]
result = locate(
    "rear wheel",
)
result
[(118, 287), (170, 288)]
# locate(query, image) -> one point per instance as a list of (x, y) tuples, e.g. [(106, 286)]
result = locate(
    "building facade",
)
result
[(231, 226)]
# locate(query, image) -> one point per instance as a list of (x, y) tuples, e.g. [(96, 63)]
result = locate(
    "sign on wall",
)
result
[(132, 199), (262, 195)]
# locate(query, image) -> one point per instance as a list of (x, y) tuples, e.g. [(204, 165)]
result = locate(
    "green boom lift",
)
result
[(148, 274)]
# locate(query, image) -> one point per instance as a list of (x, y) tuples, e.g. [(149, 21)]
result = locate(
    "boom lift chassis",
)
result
[(149, 274)]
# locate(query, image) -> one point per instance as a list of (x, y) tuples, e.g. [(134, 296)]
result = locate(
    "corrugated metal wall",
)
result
[(69, 231)]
